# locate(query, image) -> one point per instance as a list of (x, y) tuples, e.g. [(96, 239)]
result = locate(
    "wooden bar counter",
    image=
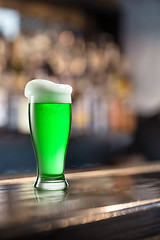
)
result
[(101, 203)]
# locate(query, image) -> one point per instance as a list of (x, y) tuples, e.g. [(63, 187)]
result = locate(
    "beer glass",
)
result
[(50, 122)]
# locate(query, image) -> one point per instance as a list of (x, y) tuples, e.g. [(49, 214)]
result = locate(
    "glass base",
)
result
[(48, 184)]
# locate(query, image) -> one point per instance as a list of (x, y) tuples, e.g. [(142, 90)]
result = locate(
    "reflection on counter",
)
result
[(50, 196), (94, 195)]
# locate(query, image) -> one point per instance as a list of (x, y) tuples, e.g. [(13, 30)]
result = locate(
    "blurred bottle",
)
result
[(3, 107)]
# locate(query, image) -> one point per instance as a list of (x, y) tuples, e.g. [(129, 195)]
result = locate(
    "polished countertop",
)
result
[(117, 203)]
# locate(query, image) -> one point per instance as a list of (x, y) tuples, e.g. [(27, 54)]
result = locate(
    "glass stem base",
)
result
[(50, 184)]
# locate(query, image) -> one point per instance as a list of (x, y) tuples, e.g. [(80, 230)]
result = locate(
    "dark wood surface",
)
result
[(105, 203)]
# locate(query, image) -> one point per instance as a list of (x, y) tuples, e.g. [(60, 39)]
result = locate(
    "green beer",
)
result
[(50, 122), (50, 128)]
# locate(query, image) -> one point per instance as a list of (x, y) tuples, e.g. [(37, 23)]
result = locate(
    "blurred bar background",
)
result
[(109, 52)]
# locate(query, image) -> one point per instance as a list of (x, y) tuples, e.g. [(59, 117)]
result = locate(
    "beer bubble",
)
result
[(44, 91)]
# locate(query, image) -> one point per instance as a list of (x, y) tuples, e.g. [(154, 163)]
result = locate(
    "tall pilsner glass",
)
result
[(50, 121)]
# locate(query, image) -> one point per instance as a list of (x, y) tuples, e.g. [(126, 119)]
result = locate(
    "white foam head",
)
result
[(44, 91)]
